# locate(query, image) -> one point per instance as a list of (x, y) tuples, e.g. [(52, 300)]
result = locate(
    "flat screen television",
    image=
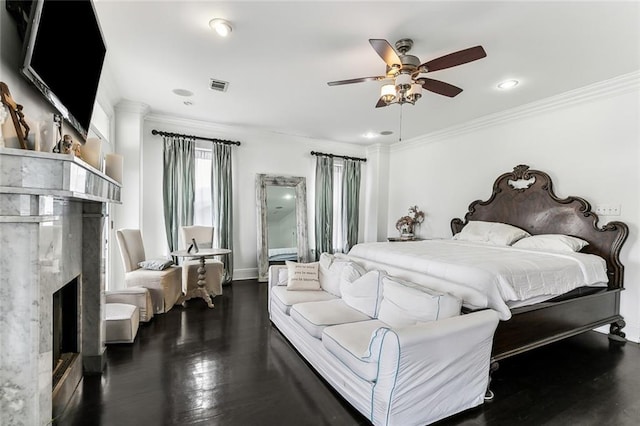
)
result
[(64, 52)]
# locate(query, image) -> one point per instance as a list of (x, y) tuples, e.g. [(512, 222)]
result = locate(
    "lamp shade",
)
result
[(388, 92)]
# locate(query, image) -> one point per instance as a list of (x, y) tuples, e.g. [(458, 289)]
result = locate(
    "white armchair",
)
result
[(165, 286), (214, 268)]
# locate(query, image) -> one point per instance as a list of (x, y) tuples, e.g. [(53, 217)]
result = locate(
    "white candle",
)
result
[(113, 166)]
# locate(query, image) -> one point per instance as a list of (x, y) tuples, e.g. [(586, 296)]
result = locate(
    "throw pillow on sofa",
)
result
[(404, 304), (360, 289), (302, 276), (330, 271)]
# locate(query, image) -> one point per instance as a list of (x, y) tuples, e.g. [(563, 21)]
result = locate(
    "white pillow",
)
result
[(552, 242), (330, 270), (156, 264), (405, 304), (302, 276), (361, 290), (283, 276), (491, 232)]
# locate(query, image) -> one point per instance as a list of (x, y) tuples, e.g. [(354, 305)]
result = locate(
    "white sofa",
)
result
[(399, 353)]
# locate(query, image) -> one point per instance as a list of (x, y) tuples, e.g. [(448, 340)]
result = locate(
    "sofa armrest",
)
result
[(274, 271), (425, 365)]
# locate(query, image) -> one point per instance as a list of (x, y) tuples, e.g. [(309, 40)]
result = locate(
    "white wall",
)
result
[(259, 152), (586, 140)]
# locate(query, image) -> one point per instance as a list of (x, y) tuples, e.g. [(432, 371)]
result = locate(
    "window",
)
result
[(202, 198), (337, 238)]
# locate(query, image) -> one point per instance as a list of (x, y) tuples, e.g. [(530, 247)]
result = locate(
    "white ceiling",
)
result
[(280, 56)]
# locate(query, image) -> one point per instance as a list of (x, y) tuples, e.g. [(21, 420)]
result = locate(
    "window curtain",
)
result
[(324, 205), (350, 203), (178, 184), (222, 204)]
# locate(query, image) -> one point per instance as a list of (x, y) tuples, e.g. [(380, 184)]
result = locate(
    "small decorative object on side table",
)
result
[(407, 224)]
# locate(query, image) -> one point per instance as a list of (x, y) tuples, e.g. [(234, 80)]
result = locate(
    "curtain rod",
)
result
[(161, 133), (338, 156)]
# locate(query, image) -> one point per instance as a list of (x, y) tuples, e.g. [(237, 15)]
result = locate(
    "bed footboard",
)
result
[(534, 326)]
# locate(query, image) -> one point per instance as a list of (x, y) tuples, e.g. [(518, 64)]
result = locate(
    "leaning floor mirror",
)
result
[(282, 221)]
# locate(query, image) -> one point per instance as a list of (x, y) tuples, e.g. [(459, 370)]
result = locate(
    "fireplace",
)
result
[(52, 233), (65, 328), (66, 360)]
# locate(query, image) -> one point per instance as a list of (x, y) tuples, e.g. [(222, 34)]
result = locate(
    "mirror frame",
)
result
[(299, 183)]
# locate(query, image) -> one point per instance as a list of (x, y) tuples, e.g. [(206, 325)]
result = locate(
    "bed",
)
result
[(541, 297), (282, 254)]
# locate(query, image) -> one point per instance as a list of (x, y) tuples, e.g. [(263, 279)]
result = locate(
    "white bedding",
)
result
[(284, 253), (506, 275)]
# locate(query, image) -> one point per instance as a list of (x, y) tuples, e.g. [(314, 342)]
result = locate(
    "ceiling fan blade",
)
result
[(386, 52), (454, 59), (381, 103), (356, 80), (439, 87)]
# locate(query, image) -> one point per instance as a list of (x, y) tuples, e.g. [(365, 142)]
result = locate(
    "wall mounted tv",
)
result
[(64, 53)]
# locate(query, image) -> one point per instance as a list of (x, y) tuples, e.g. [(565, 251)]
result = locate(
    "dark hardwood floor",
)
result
[(229, 366)]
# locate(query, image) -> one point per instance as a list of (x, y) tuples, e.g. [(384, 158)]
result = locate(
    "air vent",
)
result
[(219, 85)]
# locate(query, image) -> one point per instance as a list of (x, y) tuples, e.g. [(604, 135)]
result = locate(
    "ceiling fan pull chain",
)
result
[(400, 132)]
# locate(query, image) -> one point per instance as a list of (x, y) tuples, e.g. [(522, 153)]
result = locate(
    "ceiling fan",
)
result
[(404, 84)]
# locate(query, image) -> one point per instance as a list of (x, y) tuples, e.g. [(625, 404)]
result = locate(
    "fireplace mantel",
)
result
[(52, 226), (58, 175)]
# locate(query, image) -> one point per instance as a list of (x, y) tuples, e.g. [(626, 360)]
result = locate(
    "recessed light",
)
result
[(386, 132), (508, 84), (221, 26), (182, 92)]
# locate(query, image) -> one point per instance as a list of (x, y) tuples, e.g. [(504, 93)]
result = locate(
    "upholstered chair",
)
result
[(214, 268), (165, 286)]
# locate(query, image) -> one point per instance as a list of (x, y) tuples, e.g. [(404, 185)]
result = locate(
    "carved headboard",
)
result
[(525, 198)]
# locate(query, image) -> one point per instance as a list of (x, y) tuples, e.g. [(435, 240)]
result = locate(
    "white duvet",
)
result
[(504, 274)]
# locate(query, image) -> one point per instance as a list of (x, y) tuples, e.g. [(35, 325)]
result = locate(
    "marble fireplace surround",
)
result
[(52, 216)]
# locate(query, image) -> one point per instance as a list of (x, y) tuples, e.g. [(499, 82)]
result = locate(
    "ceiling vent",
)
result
[(219, 85)]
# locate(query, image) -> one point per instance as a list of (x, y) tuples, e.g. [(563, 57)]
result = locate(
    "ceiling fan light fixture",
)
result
[(221, 26), (403, 82), (415, 92), (388, 92)]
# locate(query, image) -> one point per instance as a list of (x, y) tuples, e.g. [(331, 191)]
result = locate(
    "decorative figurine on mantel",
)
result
[(64, 145), (17, 116), (407, 224), (3, 116)]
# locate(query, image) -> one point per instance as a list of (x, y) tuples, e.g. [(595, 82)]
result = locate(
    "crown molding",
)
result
[(377, 149), (169, 120), (601, 90), (132, 107)]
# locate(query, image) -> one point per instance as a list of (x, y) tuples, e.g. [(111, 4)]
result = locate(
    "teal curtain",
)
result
[(350, 203), (222, 204), (324, 205), (178, 183)]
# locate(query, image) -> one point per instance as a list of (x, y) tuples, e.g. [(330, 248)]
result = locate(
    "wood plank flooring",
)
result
[(229, 366)]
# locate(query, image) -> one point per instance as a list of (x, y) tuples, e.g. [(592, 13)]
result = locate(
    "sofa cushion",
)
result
[(404, 304), (315, 316), (362, 290), (357, 345), (284, 299), (302, 276), (330, 270)]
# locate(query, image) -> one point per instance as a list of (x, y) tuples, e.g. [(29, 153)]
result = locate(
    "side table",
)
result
[(202, 254)]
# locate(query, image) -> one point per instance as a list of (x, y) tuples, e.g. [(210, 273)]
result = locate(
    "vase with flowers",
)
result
[(407, 224)]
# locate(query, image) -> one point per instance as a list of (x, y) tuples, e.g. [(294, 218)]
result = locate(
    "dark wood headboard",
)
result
[(525, 198)]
